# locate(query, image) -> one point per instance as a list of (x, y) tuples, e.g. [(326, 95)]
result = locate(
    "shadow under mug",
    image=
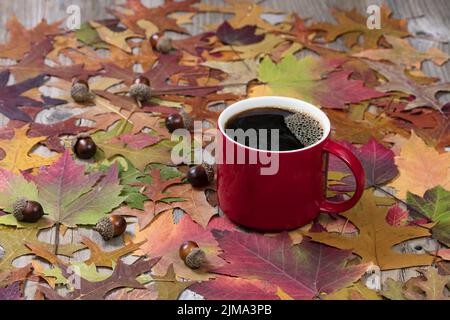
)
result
[(296, 193)]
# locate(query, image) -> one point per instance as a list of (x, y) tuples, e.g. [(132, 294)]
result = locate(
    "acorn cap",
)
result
[(187, 120), (305, 128), (164, 44), (105, 227), (80, 92), (140, 91), (18, 207), (209, 169), (196, 258)]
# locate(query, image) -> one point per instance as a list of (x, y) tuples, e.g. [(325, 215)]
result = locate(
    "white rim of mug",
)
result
[(292, 104)]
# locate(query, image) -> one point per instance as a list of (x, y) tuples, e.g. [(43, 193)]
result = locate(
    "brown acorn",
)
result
[(201, 175), (154, 39), (84, 147), (178, 121), (80, 91), (192, 255), (27, 210), (111, 226), (140, 89)]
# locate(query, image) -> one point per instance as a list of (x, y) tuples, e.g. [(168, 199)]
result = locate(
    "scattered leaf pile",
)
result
[(380, 102)]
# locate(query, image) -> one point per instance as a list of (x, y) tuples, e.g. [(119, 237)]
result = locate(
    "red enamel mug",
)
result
[(287, 191)]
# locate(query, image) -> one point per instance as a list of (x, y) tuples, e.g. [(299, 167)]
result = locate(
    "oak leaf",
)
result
[(123, 276), (425, 94), (303, 271), (22, 40), (376, 237), (238, 36), (101, 258), (118, 39), (402, 53), (13, 96), (168, 287), (18, 152), (246, 12), (430, 286), (351, 24), (421, 168)]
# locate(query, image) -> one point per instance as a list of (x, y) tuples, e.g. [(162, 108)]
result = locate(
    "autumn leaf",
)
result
[(376, 237), (251, 51), (159, 15), (33, 65), (227, 288), (397, 217), (397, 81), (89, 36), (357, 291), (362, 131), (154, 190), (377, 161), (351, 25), (238, 36), (303, 271), (70, 197), (246, 12), (14, 242), (18, 152), (239, 72), (303, 79), (194, 204), (168, 287), (123, 276), (402, 53), (164, 238), (11, 292), (12, 96), (435, 203), (101, 258), (430, 286), (118, 39), (414, 157), (441, 232), (22, 40)]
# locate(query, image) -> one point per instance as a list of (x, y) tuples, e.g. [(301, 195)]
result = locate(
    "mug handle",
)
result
[(358, 171)]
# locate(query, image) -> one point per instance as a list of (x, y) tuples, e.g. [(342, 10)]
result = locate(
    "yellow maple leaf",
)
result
[(18, 155), (421, 168)]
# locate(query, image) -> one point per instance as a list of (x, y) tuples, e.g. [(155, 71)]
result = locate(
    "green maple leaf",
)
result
[(311, 79), (435, 203), (69, 196)]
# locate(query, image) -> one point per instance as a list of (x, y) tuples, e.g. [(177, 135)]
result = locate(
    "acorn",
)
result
[(179, 121), (84, 147), (201, 175), (164, 45), (192, 255), (110, 227), (140, 89), (27, 210), (80, 91)]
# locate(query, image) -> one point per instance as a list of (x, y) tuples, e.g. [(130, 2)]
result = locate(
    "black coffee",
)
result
[(296, 130)]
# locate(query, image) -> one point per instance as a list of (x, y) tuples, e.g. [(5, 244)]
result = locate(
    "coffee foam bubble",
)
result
[(305, 128)]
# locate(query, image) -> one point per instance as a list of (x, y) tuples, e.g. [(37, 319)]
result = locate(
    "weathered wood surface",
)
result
[(429, 19)]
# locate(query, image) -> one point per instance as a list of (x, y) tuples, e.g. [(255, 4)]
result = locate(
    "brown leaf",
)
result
[(107, 258), (22, 40), (376, 237)]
